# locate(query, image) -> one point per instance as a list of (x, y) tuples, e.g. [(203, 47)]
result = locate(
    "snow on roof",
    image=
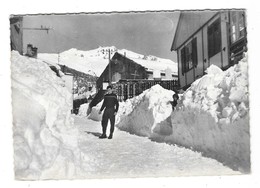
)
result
[(50, 59), (161, 65), (151, 62)]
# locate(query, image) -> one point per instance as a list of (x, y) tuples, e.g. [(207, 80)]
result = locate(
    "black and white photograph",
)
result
[(130, 94), (135, 94)]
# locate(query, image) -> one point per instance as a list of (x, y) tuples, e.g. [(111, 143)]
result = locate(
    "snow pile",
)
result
[(214, 116), (223, 94), (146, 113), (94, 115), (83, 109), (45, 139), (91, 113)]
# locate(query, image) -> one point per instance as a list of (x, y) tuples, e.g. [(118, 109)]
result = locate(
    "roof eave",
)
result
[(173, 47)]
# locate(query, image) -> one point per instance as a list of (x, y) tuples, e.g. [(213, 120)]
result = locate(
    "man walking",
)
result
[(111, 105)]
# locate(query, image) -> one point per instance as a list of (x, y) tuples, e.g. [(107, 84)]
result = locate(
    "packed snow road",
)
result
[(129, 155)]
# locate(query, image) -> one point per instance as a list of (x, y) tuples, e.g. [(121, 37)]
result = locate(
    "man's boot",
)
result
[(110, 136), (103, 136)]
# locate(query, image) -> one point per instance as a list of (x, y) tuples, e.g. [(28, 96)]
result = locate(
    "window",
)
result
[(194, 52), (214, 38), (237, 19), (189, 56), (163, 74), (183, 63)]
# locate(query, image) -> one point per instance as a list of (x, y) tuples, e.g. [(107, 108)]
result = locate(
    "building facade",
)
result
[(16, 33), (121, 68), (203, 38)]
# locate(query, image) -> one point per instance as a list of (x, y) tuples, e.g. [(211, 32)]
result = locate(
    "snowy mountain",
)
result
[(94, 61)]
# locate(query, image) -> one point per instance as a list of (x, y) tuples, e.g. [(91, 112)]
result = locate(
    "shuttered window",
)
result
[(214, 38), (189, 56), (183, 69), (237, 25), (194, 52)]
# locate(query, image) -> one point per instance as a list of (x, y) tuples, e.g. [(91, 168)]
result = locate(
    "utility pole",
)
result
[(109, 68), (124, 64)]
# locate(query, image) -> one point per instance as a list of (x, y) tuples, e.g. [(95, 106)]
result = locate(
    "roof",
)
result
[(152, 64), (189, 23)]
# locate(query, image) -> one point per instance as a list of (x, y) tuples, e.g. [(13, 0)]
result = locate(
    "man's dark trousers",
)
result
[(109, 114)]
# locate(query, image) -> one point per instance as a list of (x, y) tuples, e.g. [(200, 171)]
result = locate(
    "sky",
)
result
[(147, 33)]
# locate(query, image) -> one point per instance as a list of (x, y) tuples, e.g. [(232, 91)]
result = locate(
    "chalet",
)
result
[(207, 37), (121, 67), (126, 68)]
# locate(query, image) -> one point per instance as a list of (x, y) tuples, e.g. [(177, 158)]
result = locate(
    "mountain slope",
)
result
[(94, 61)]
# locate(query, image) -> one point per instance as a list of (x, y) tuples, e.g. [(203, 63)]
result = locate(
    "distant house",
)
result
[(203, 38), (121, 68), (126, 68)]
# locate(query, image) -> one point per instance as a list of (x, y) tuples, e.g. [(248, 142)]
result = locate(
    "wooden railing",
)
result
[(126, 89)]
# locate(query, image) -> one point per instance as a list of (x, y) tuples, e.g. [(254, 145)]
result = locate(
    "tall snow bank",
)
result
[(146, 113), (214, 116), (45, 139)]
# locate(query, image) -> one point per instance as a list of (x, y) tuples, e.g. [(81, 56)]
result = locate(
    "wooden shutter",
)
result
[(194, 52), (183, 67), (214, 38)]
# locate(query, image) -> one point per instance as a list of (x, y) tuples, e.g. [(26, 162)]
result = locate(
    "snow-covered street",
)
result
[(129, 155)]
